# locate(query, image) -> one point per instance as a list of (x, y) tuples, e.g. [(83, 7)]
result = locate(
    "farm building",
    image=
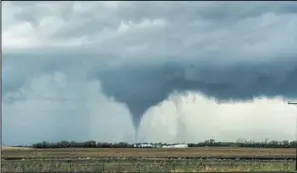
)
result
[(145, 145), (176, 146)]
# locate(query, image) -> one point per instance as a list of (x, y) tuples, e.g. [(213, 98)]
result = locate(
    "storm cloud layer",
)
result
[(95, 59)]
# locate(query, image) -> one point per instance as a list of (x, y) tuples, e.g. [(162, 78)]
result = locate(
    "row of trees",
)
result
[(250, 144), (87, 144), (209, 143)]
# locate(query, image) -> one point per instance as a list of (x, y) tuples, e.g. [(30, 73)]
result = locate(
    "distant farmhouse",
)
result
[(144, 145), (159, 145), (175, 146)]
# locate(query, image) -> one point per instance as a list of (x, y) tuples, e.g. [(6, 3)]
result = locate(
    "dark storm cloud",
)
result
[(143, 51), (141, 87)]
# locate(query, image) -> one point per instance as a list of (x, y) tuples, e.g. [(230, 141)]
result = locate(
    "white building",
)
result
[(146, 145), (180, 146), (176, 146), (143, 145)]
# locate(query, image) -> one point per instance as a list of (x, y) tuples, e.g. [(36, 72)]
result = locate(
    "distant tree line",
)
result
[(87, 144), (243, 143), (207, 143)]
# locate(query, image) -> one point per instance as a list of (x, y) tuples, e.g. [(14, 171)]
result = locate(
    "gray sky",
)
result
[(172, 71)]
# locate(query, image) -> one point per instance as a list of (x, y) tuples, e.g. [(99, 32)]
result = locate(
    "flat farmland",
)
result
[(146, 160), (27, 153)]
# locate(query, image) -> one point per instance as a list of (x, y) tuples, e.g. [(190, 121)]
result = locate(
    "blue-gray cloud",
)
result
[(141, 52)]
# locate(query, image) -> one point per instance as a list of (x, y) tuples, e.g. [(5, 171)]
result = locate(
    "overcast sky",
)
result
[(148, 71)]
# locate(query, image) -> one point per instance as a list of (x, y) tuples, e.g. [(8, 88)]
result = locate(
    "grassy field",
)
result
[(141, 160)]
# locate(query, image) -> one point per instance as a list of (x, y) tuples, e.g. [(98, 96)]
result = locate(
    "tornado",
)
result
[(141, 87)]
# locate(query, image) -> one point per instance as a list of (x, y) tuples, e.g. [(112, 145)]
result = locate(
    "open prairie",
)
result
[(204, 159)]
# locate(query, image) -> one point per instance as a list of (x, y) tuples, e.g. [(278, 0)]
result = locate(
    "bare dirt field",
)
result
[(144, 160), (15, 148), (148, 153)]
